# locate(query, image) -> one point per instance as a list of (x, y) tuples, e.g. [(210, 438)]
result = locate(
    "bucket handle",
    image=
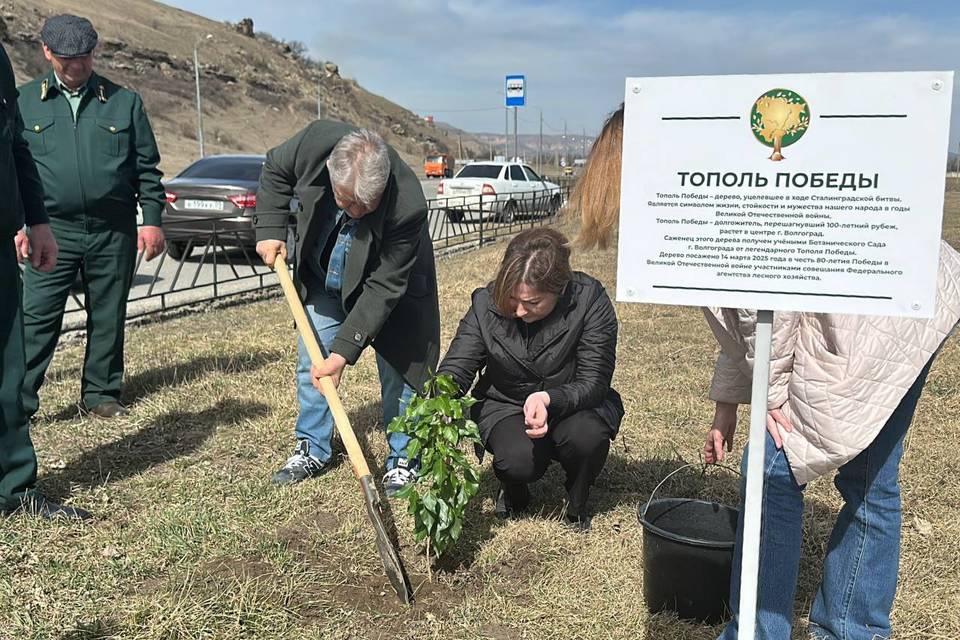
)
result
[(702, 464)]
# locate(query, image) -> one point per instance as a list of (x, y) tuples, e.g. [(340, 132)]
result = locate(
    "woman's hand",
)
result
[(724, 426), (774, 418), (535, 414), (721, 432)]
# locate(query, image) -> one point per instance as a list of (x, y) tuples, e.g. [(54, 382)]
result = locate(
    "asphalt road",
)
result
[(202, 275), (165, 282)]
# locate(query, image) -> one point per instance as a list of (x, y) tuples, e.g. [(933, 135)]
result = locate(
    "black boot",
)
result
[(512, 500), (42, 507), (580, 523)]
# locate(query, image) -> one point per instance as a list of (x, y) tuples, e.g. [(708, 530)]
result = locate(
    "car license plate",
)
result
[(204, 205)]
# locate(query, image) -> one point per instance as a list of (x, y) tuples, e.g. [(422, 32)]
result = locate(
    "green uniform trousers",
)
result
[(105, 260), (18, 461)]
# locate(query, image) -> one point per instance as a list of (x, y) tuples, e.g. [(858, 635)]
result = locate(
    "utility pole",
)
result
[(540, 145), (460, 146), (564, 151), (516, 138), (319, 101), (196, 77), (506, 131), (583, 144)]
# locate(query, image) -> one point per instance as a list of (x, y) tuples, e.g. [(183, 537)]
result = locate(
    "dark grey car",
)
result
[(212, 202)]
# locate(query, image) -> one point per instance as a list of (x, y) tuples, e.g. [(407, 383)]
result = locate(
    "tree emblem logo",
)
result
[(779, 118)]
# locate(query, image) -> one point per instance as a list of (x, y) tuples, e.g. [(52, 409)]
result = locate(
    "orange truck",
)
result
[(438, 166)]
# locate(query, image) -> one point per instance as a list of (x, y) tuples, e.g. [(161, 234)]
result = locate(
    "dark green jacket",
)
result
[(21, 193), (389, 281), (96, 170)]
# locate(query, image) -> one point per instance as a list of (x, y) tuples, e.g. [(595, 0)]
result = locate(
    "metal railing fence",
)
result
[(214, 258)]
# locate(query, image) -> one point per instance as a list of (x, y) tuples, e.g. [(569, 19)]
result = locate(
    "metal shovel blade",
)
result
[(388, 553)]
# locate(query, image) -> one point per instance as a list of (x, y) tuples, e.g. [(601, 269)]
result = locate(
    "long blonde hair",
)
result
[(596, 198)]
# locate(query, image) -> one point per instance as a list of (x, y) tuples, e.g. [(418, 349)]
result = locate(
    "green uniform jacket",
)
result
[(21, 192), (389, 281), (96, 170)]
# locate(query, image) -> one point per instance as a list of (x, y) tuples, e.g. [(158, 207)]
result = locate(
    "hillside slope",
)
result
[(256, 91)]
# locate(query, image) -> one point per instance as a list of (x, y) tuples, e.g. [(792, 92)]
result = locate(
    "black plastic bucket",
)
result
[(687, 555)]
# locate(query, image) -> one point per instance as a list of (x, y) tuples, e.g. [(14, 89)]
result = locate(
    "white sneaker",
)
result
[(300, 466), (397, 478)]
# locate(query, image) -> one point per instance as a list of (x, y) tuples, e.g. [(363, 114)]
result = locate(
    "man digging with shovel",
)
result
[(364, 268)]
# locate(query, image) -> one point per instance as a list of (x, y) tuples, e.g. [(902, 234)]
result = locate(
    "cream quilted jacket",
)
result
[(837, 378)]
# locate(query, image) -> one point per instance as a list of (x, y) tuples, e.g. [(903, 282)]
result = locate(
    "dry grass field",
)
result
[(191, 540)]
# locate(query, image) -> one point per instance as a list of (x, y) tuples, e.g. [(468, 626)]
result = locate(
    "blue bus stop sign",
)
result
[(515, 91)]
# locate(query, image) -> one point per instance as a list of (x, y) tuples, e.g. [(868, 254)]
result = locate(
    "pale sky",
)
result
[(448, 58)]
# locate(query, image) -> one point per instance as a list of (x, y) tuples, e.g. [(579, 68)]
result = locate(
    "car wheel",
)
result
[(454, 216), (509, 212), (178, 250)]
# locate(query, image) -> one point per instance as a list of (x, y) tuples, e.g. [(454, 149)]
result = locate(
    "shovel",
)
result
[(388, 553)]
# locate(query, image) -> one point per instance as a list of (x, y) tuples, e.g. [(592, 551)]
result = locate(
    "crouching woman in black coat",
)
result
[(543, 339)]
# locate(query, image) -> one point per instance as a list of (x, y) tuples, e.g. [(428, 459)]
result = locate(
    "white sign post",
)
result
[(813, 192), (516, 96)]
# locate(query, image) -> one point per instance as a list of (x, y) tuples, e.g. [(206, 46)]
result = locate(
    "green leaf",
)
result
[(443, 514), (428, 519), (446, 385), (451, 435), (413, 449), (404, 493), (456, 529), (413, 503), (429, 502), (438, 471), (397, 425), (422, 432)]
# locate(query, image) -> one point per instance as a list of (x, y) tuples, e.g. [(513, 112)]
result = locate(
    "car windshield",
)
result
[(532, 174), (491, 171), (247, 169), (435, 159)]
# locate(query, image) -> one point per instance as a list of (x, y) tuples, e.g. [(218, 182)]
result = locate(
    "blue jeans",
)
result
[(315, 422), (863, 555)]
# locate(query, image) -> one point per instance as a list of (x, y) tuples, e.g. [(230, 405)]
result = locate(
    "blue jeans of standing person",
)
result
[(863, 555), (315, 422)]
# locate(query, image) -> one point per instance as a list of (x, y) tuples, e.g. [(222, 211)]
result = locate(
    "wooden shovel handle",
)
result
[(354, 452)]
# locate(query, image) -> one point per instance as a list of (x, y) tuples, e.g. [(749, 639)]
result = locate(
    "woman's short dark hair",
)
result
[(538, 258)]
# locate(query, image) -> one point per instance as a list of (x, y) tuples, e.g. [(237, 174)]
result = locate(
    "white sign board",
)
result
[(814, 192)]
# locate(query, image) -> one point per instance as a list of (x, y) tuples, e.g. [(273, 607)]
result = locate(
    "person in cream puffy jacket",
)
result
[(843, 391)]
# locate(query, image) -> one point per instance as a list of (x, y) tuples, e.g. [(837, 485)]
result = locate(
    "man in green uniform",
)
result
[(22, 201), (97, 158)]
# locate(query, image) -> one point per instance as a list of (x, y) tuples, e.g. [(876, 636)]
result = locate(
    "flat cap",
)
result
[(68, 36)]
